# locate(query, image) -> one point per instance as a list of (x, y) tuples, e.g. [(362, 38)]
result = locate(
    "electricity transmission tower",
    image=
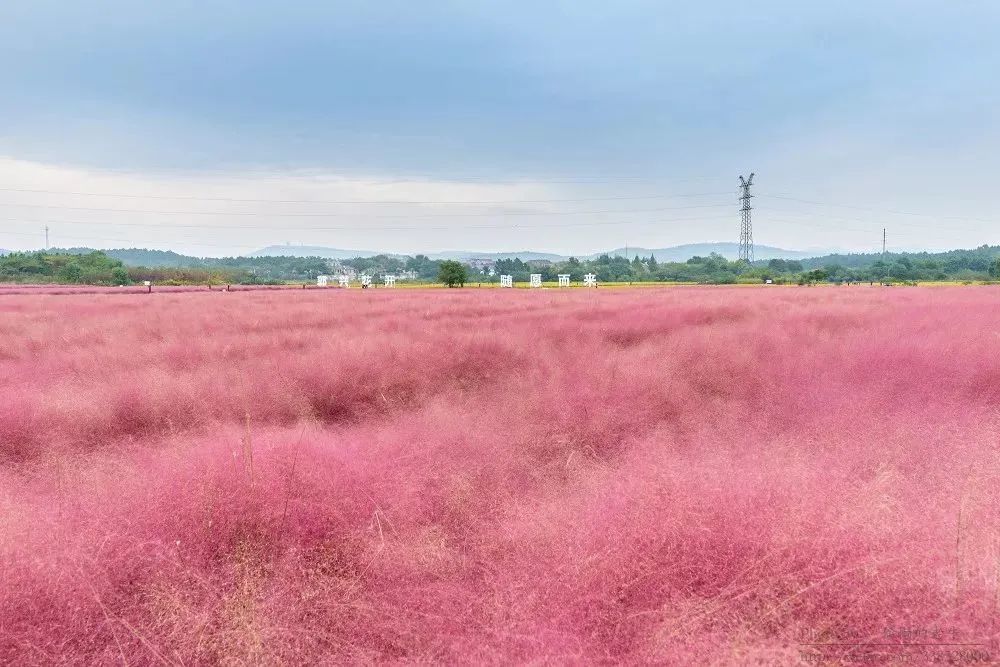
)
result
[(746, 228)]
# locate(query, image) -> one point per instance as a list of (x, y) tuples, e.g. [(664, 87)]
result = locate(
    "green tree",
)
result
[(995, 268), (814, 276), (879, 270), (72, 272), (119, 276), (453, 273)]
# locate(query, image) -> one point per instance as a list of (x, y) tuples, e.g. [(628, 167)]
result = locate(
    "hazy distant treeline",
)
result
[(120, 267), (978, 264)]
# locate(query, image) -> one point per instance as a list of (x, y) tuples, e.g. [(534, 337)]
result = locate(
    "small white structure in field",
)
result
[(366, 281), (563, 280), (146, 283), (390, 281), (768, 282), (536, 280), (590, 280), (321, 281), (506, 281), (344, 281)]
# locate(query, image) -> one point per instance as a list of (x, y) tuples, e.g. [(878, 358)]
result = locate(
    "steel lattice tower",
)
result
[(746, 227)]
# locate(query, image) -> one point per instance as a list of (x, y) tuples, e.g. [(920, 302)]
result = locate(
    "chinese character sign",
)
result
[(390, 281), (321, 281), (344, 281), (590, 280), (506, 281), (536, 280), (563, 280), (366, 281)]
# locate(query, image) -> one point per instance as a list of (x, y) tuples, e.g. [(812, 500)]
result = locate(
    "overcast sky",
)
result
[(215, 127)]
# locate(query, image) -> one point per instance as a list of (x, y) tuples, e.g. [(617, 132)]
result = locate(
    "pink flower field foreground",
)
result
[(676, 476)]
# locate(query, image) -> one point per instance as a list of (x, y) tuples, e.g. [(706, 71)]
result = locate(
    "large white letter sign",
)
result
[(536, 280), (390, 281), (563, 280), (590, 280), (366, 281), (322, 280), (506, 281), (344, 281)]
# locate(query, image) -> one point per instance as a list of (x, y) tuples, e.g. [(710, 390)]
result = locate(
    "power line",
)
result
[(899, 237), (363, 228), (584, 179), (875, 223), (354, 215), (866, 231), (515, 226), (877, 210), (799, 221), (313, 175), (357, 201)]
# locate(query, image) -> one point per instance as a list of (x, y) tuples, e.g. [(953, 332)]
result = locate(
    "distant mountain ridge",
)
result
[(313, 251), (523, 255), (679, 253), (973, 261), (682, 253)]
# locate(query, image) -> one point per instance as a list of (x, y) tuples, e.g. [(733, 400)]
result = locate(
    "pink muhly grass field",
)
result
[(679, 475)]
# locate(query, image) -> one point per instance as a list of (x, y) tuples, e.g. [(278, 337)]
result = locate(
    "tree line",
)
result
[(125, 267), (118, 267)]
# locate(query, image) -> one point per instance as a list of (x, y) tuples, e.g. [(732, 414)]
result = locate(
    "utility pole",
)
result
[(746, 228), (46, 237), (628, 264), (886, 274)]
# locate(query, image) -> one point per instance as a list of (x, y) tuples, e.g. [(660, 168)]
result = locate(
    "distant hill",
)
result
[(312, 251), (151, 258), (523, 255), (976, 259), (678, 253), (141, 257), (682, 253), (341, 253)]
